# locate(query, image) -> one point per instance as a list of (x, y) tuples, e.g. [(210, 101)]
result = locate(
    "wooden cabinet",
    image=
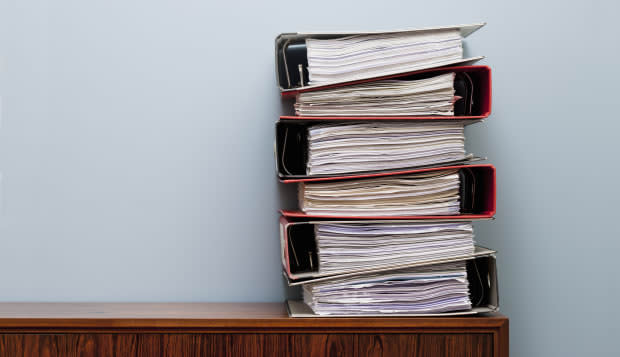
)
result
[(205, 329)]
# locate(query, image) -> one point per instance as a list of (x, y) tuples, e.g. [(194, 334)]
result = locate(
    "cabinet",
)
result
[(235, 329)]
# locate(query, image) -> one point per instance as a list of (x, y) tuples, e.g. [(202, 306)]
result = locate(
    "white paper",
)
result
[(431, 289), (346, 148), (363, 56), (430, 96), (349, 247), (432, 193)]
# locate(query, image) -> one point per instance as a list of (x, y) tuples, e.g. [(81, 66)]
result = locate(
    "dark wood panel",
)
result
[(501, 345), (38, 345), (178, 345), (11, 345), (250, 345), (430, 345), (83, 345), (469, 345), (149, 345), (116, 345), (41, 345), (195, 345), (462, 345), (387, 345), (311, 345), (278, 345), (456, 345)]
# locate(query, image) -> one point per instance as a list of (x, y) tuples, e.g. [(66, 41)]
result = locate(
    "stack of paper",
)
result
[(423, 290), (363, 56), (351, 247), (344, 148), (431, 193), (429, 96)]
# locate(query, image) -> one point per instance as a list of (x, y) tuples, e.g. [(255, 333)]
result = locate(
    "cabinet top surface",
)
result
[(206, 315)]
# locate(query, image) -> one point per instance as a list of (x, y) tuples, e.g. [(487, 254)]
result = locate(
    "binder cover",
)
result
[(302, 234), (478, 198), (285, 39), (291, 152), (486, 288), (481, 97)]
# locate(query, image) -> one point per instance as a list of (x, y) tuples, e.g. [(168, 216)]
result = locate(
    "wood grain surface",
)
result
[(235, 330), (310, 345), (216, 316)]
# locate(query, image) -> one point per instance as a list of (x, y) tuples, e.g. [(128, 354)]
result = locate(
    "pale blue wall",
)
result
[(136, 152)]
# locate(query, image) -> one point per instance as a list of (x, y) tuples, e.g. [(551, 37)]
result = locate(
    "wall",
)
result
[(137, 165)]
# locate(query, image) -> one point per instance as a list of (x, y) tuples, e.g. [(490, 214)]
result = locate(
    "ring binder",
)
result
[(482, 201), (301, 75), (473, 84), (485, 297), (291, 51), (293, 149)]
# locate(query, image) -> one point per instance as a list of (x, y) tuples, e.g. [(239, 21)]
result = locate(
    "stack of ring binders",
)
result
[(374, 138)]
